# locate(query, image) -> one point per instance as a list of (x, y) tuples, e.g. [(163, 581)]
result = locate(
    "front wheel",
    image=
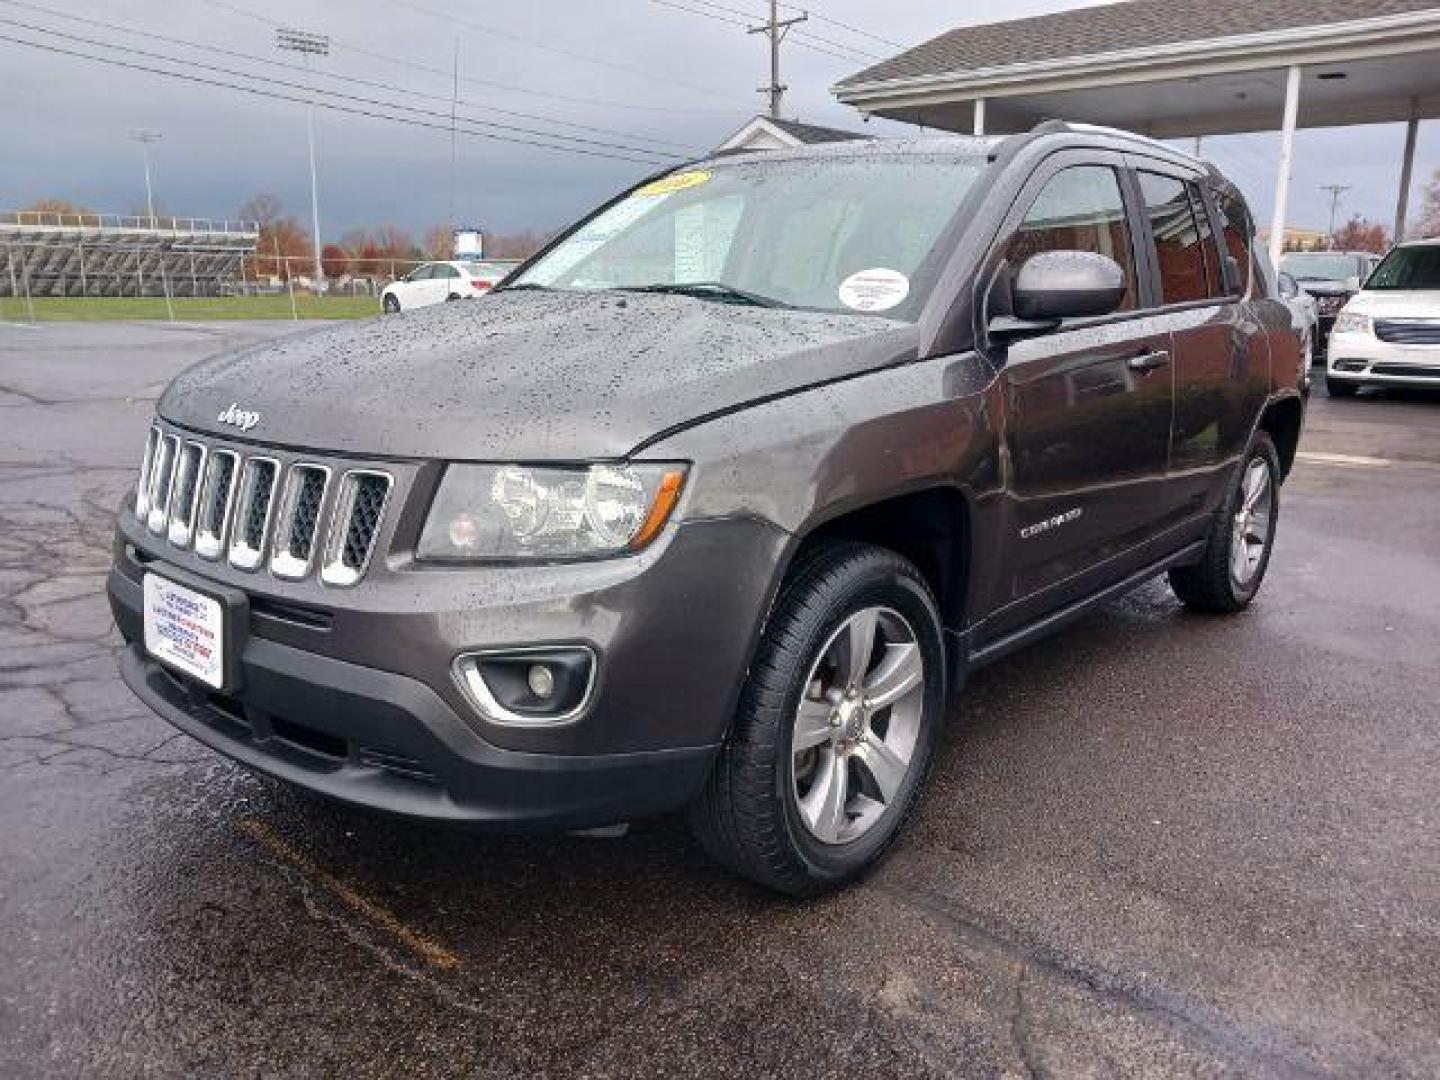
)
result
[(391, 303), (836, 727), (1242, 534)]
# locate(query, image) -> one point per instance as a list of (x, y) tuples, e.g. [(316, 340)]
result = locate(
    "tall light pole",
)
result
[(144, 136), (308, 45)]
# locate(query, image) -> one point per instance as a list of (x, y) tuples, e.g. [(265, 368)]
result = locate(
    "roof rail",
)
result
[(1057, 127)]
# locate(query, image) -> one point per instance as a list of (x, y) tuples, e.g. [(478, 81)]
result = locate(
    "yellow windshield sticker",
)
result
[(675, 182)]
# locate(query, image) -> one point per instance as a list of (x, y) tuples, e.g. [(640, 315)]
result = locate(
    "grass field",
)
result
[(197, 308)]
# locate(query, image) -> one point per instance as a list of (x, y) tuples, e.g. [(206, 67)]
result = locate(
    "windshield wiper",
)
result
[(712, 290), (525, 285)]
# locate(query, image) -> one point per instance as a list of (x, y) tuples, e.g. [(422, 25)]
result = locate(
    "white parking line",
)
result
[(1350, 460)]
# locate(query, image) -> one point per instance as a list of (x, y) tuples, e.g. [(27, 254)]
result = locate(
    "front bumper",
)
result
[(1366, 360), (355, 698)]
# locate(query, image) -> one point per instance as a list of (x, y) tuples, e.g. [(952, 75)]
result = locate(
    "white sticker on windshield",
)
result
[(874, 290)]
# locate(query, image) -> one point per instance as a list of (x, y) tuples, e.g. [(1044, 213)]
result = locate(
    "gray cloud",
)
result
[(668, 77)]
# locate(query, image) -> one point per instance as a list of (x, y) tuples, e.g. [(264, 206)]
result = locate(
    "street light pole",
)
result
[(144, 136), (308, 45)]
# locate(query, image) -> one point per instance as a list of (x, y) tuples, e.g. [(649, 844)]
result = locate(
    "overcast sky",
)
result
[(655, 78)]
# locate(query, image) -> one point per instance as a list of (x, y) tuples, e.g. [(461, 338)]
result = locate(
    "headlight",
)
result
[(524, 512), (1352, 322)]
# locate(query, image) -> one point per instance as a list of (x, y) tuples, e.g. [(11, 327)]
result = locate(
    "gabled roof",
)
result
[(1133, 24), (767, 133), (814, 133)]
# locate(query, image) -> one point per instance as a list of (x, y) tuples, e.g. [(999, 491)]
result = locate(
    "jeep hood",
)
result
[(527, 376)]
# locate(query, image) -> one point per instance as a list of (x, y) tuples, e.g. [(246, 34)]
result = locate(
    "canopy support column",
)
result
[(1407, 169), (979, 116), (1287, 158)]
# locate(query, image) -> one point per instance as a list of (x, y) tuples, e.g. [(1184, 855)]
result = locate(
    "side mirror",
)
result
[(1288, 289), (1055, 285)]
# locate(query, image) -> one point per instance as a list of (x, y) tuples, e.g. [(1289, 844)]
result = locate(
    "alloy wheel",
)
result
[(857, 725), (1253, 521)]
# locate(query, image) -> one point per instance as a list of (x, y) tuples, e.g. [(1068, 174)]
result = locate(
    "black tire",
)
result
[(748, 816), (1210, 585), (1341, 387), (391, 304)]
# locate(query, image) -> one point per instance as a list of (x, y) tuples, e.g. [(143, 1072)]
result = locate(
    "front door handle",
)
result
[(1148, 361)]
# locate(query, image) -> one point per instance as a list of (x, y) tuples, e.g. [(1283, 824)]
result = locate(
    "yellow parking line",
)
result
[(430, 951)]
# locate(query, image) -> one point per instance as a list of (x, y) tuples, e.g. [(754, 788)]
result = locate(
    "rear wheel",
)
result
[(1242, 533), (836, 728), (1341, 388), (391, 304)]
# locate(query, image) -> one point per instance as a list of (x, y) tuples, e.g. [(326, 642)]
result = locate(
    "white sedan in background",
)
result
[(437, 282)]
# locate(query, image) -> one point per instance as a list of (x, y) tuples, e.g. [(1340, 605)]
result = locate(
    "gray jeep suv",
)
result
[(717, 499)]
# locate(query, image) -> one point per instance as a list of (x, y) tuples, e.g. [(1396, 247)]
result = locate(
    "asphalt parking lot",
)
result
[(1156, 845)]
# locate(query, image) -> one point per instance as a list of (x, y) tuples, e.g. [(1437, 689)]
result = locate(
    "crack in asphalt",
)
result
[(1205, 1022)]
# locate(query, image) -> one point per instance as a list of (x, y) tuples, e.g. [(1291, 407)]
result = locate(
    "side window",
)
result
[(1214, 275), (449, 271), (1078, 209), (1179, 252), (1238, 234)]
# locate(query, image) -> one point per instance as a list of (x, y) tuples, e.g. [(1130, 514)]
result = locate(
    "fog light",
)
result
[(545, 684), (541, 680)]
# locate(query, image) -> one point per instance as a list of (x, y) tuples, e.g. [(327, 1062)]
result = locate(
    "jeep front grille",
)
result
[(254, 510)]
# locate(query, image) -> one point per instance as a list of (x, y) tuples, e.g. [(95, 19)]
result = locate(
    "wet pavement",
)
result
[(1155, 845)]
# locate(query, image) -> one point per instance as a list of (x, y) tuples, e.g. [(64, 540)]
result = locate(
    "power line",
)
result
[(214, 68), (323, 104), (452, 19), (846, 26), (354, 80), (550, 95), (802, 39)]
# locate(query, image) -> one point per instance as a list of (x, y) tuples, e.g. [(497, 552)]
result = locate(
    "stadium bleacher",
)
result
[(70, 254)]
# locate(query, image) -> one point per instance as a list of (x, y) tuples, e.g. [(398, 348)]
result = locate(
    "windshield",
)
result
[(851, 235), (1321, 266), (1408, 268)]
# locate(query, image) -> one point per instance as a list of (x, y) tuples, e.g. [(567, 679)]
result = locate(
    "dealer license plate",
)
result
[(185, 629)]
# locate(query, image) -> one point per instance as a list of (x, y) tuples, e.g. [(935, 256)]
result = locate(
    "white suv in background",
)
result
[(1389, 332), (436, 282)]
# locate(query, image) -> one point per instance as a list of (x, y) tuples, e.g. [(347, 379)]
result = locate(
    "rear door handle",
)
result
[(1149, 360)]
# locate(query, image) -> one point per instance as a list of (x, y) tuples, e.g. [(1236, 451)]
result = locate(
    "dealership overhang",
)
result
[(1177, 68)]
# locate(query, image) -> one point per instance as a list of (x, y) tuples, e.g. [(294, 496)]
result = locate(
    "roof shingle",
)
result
[(1113, 27)]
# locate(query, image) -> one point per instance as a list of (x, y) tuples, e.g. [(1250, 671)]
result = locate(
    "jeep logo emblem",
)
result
[(244, 419)]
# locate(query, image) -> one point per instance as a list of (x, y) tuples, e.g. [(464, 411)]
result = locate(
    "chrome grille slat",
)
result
[(142, 488), (188, 472), (215, 502), (253, 505), (161, 476), (355, 525), (256, 511), (298, 522)]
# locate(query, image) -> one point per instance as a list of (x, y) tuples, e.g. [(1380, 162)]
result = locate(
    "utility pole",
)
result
[(144, 136), (1335, 190), (454, 101), (776, 28), (308, 45)]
